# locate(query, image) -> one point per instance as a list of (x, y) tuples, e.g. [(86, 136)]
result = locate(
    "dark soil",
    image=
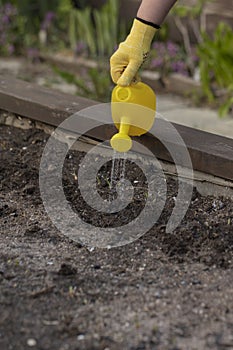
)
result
[(164, 291)]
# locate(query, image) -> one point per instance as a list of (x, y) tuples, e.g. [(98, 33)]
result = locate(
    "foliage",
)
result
[(96, 86), (168, 57), (35, 12), (29, 24), (189, 11), (99, 28), (192, 13), (12, 29), (21, 23), (216, 68)]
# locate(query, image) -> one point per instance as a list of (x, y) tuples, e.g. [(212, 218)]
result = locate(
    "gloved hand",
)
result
[(131, 54)]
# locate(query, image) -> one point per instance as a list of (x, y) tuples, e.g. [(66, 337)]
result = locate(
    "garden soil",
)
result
[(163, 291)]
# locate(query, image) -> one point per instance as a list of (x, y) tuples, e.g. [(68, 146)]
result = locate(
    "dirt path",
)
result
[(164, 291)]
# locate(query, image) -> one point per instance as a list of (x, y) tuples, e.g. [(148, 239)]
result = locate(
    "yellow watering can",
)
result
[(133, 115)]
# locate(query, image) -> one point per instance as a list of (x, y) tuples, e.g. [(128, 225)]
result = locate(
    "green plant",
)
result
[(35, 12), (22, 22), (216, 68), (192, 13), (13, 35), (96, 86), (167, 57), (99, 29)]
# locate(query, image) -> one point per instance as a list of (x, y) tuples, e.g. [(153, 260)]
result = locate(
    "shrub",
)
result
[(216, 68), (99, 29), (169, 57), (9, 38)]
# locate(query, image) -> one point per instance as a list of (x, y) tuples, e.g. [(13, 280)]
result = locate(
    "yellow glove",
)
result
[(131, 54)]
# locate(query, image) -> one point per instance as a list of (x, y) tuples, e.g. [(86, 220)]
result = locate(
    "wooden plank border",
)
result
[(210, 153)]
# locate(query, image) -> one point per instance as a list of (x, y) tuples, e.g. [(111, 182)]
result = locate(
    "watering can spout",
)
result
[(133, 113), (121, 142)]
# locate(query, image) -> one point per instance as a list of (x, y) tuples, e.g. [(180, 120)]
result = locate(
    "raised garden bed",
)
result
[(175, 83), (164, 291), (207, 150)]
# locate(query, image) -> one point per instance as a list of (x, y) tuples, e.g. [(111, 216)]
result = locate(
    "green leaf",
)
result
[(224, 109), (100, 29), (216, 58), (99, 33), (72, 31)]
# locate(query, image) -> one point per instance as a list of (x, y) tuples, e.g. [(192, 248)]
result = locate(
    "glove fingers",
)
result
[(117, 68), (129, 75), (117, 73)]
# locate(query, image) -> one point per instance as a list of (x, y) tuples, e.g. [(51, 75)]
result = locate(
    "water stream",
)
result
[(113, 170), (117, 173)]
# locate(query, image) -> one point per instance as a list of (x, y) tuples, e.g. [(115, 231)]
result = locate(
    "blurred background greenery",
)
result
[(58, 24), (93, 29)]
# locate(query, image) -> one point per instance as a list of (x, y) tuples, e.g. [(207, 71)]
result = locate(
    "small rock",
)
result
[(80, 337), (67, 270), (29, 189), (91, 249), (97, 267), (31, 342), (31, 230)]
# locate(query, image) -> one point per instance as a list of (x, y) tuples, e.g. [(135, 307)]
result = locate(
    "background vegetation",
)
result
[(30, 28)]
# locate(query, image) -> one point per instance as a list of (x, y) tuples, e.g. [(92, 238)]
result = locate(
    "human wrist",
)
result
[(154, 25), (155, 11), (145, 31)]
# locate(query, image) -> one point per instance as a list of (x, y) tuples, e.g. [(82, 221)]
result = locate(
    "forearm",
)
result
[(155, 11)]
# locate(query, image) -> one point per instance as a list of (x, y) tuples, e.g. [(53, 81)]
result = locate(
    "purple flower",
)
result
[(80, 47), (8, 33), (33, 53), (157, 63), (9, 9), (5, 19), (11, 49), (155, 45), (172, 49), (195, 58), (179, 67), (49, 17), (159, 47)]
